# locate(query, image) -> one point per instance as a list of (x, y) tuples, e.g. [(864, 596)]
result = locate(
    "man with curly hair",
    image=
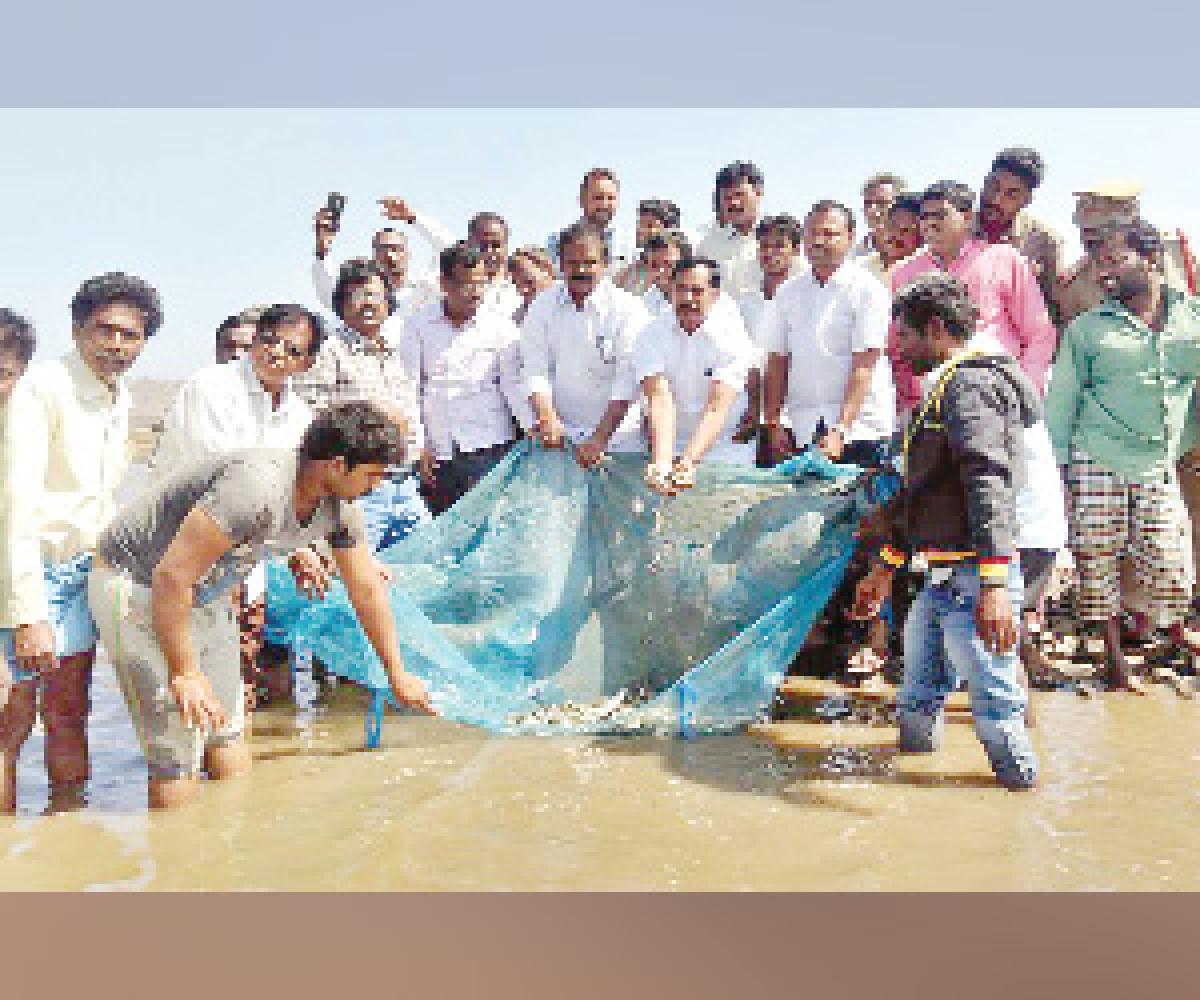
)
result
[(730, 239), (955, 522), (1016, 173), (67, 451)]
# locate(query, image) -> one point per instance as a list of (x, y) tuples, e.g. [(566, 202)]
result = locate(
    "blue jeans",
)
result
[(392, 511), (941, 645), (70, 616)]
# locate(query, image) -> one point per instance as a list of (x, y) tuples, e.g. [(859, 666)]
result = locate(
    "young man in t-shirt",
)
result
[(165, 564)]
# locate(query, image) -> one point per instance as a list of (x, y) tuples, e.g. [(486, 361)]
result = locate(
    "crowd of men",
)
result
[(943, 336)]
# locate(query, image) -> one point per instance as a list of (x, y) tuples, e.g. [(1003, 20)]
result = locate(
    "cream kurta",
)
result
[(66, 449)]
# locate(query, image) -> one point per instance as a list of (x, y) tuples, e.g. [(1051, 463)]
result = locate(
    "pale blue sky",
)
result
[(214, 207)]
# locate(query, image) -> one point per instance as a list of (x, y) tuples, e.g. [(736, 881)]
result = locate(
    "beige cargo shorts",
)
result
[(121, 609)]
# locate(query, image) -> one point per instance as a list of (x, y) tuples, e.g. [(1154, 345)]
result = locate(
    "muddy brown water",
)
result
[(445, 807), (440, 806)]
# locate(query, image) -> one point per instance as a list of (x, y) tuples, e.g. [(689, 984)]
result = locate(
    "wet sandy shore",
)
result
[(443, 807)]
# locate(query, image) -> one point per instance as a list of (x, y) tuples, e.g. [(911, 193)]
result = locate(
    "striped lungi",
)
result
[(1113, 517)]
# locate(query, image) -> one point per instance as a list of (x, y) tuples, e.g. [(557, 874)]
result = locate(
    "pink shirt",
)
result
[(1004, 290)]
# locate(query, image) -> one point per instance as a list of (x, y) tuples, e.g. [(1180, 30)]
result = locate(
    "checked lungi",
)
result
[(1113, 517)]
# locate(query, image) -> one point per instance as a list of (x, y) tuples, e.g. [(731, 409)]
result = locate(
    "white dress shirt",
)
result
[(421, 287), (737, 256), (67, 449), (719, 351), (621, 249), (821, 328), (583, 358), (502, 297), (223, 408), (469, 378), (656, 303)]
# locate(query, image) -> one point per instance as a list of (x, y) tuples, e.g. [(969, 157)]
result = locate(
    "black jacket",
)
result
[(966, 461)]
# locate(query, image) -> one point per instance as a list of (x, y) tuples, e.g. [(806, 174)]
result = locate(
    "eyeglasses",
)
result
[(366, 294), (270, 340)]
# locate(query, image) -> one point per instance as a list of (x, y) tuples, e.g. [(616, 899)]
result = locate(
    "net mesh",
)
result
[(550, 597)]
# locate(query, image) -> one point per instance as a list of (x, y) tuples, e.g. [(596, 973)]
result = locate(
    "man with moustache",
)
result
[(251, 402), (1004, 216), (879, 192), (655, 215), (692, 366), (390, 248), (235, 335), (663, 251), (247, 403), (466, 360), (599, 197), (1117, 407), (780, 240), (730, 240), (901, 238), (361, 360), (489, 234), (826, 343), (577, 354), (999, 279), (66, 452), (1097, 207)]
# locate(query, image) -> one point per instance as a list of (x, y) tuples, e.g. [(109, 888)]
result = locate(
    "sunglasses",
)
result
[(269, 340)]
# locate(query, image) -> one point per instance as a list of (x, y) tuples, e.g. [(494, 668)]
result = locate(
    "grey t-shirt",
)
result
[(251, 496)]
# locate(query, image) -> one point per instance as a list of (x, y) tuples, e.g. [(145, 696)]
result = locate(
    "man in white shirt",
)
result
[(663, 252), (67, 451), (730, 239), (879, 193), (466, 359), (577, 353), (411, 288), (248, 403), (780, 238), (235, 335), (489, 234), (826, 344), (251, 402), (599, 197), (692, 367)]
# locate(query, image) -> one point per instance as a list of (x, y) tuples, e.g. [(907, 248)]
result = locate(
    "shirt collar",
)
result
[(599, 294), (1113, 307), (358, 342), (245, 370), (844, 275), (970, 248), (90, 388), (472, 322)]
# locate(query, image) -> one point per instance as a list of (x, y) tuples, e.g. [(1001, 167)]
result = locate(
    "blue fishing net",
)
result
[(551, 597)]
